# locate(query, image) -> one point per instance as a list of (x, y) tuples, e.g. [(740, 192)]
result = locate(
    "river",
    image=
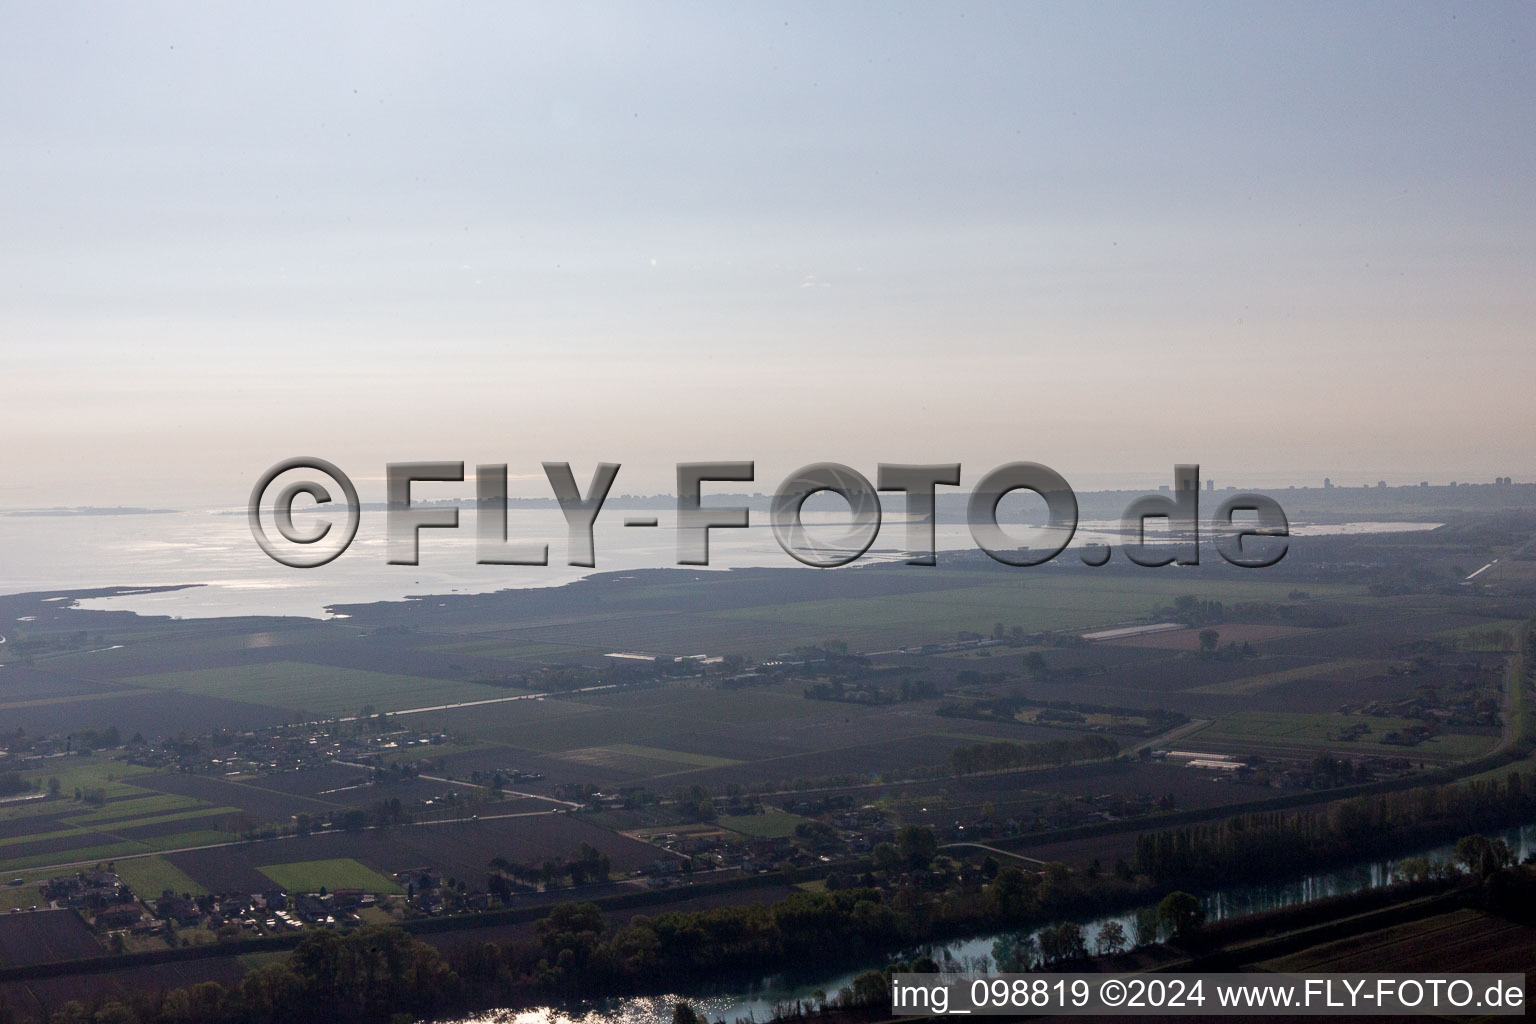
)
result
[(759, 1002)]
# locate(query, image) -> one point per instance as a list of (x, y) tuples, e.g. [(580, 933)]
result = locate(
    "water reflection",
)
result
[(774, 993)]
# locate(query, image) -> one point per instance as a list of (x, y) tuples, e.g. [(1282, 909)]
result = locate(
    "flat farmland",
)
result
[(643, 762), (1226, 633), (771, 824), (20, 829), (556, 725), (410, 792), (134, 819), (337, 873), (1294, 733), (1375, 631), (458, 850), (1191, 788), (1331, 689), (85, 848), (1462, 940), (687, 734), (135, 709), (551, 724), (333, 785), (554, 770), (1333, 676), (36, 998), (1483, 637), (148, 877), (21, 684), (211, 819), (93, 772), (407, 791), (506, 646), (24, 895), (24, 845), (162, 647), (682, 633), (401, 656), (869, 760), (762, 612), (133, 805), (261, 803), (310, 782), (1311, 670), (766, 722), (37, 937), (319, 690), (1042, 602)]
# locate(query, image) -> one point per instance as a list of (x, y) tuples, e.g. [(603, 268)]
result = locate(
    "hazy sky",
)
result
[(1281, 240)]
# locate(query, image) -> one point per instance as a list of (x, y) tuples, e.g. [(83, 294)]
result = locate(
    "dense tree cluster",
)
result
[(588, 864), (372, 974), (1003, 755), (380, 974), (1282, 843)]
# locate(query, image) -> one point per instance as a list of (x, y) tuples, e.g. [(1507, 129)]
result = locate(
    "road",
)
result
[(1177, 733), (474, 703), (1165, 738), (1037, 865), (460, 782)]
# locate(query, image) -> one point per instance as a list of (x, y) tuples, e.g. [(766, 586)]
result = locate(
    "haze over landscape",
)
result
[(1263, 261), (1286, 242)]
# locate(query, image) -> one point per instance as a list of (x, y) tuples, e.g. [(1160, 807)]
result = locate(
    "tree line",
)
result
[(1270, 843), (1004, 755), (378, 974)]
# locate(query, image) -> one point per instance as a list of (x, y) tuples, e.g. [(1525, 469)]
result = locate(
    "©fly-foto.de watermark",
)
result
[(1254, 517)]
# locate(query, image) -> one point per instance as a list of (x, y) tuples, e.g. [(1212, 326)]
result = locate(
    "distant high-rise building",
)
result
[(1210, 485), (1327, 483)]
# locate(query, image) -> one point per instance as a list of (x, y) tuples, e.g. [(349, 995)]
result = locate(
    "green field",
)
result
[(1342, 668), (1289, 729), (1037, 602), (644, 760), (771, 825), (198, 837), (128, 806), (1483, 637), (340, 873), (319, 690), (92, 772), (84, 837), (511, 648), (613, 720), (73, 698), (162, 819), (37, 837), (24, 895), (148, 877), (109, 851)]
